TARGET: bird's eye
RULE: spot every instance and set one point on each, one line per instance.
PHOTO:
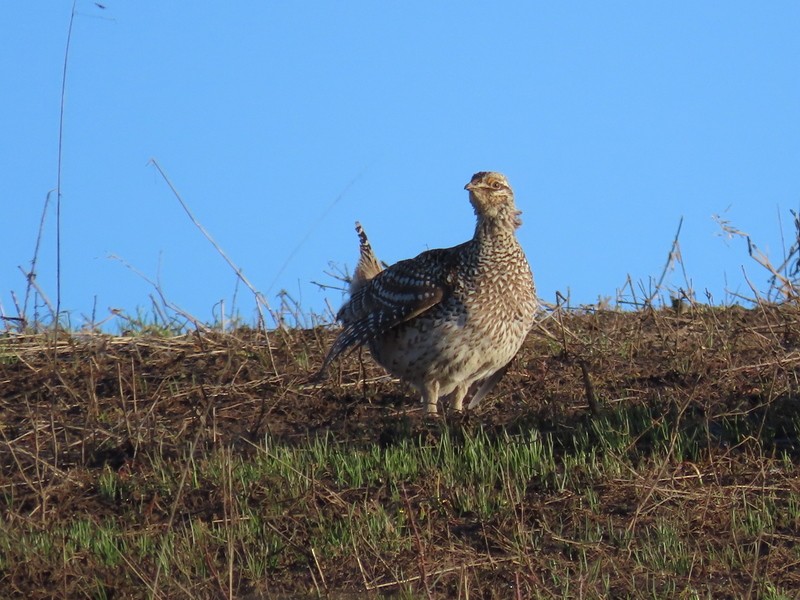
(496, 185)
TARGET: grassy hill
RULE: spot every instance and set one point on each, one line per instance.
(650, 454)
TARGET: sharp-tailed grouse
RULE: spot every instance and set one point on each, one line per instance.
(449, 321)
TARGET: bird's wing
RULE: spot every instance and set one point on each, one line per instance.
(395, 295)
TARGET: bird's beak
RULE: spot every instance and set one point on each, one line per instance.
(470, 186)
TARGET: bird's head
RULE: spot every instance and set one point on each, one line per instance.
(492, 197)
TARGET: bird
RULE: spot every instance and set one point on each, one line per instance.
(449, 321)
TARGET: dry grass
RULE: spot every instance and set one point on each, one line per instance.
(203, 465)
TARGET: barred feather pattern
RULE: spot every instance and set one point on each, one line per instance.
(450, 320)
(368, 266)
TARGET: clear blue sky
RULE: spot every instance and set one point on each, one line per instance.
(611, 120)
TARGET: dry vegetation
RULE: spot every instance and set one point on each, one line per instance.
(204, 466)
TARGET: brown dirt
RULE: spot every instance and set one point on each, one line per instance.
(727, 376)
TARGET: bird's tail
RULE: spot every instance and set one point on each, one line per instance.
(368, 265)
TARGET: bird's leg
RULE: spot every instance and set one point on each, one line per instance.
(457, 397)
(430, 396)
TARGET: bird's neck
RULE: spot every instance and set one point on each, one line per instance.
(502, 222)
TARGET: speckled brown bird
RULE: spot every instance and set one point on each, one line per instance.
(450, 320)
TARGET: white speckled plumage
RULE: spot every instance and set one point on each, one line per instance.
(450, 320)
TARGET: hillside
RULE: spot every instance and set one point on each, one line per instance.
(625, 454)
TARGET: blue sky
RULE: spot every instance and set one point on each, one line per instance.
(280, 123)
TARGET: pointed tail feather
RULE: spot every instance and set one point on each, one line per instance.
(368, 265)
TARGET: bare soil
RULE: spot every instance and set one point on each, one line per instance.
(725, 378)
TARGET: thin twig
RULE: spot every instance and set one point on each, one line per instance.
(239, 273)
(157, 286)
(58, 177)
(31, 275)
(32, 283)
(423, 572)
(591, 396)
(319, 569)
(314, 226)
(202, 229)
(673, 253)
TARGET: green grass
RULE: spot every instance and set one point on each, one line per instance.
(204, 466)
(347, 501)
